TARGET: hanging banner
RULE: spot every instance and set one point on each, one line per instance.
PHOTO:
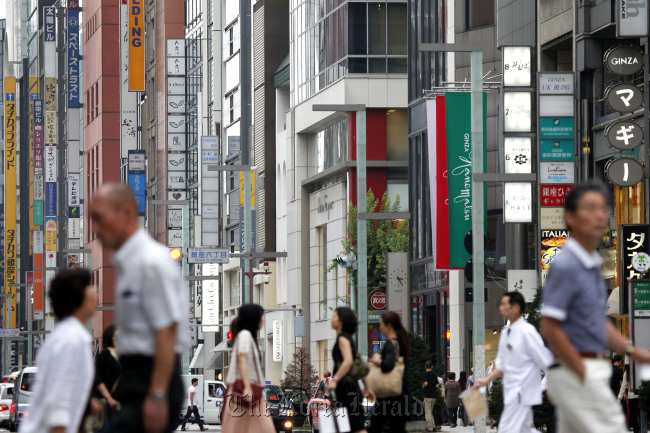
(433, 181)
(136, 46)
(73, 59)
(51, 228)
(50, 198)
(442, 187)
(632, 18)
(128, 100)
(459, 166)
(10, 201)
(136, 173)
(49, 25)
(73, 190)
(633, 239)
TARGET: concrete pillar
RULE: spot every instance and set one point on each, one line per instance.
(456, 321)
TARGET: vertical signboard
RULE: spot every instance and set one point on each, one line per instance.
(632, 18)
(10, 201)
(128, 100)
(49, 24)
(73, 59)
(136, 45)
(210, 298)
(136, 173)
(633, 239)
(277, 340)
(38, 275)
(39, 162)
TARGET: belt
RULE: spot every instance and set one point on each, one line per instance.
(594, 355)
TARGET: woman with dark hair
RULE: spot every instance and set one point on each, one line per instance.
(391, 410)
(107, 373)
(346, 388)
(246, 366)
(462, 414)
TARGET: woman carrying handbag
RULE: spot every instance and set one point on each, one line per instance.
(387, 377)
(344, 384)
(244, 407)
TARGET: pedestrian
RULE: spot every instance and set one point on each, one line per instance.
(107, 375)
(391, 410)
(452, 398)
(326, 375)
(574, 321)
(192, 408)
(65, 363)
(239, 415)
(346, 388)
(152, 306)
(462, 382)
(429, 385)
(617, 374)
(521, 359)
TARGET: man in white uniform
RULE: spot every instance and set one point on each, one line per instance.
(65, 364)
(521, 359)
(152, 313)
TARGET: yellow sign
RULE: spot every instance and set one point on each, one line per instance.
(241, 188)
(50, 240)
(136, 46)
(10, 200)
(50, 94)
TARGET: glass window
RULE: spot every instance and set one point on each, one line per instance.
(321, 234)
(357, 65)
(480, 13)
(357, 28)
(377, 28)
(377, 66)
(396, 24)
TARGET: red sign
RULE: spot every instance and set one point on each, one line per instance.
(74, 4)
(554, 195)
(378, 299)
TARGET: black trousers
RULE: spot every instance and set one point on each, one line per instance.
(453, 415)
(133, 389)
(197, 417)
(393, 411)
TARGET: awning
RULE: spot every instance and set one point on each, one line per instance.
(222, 347)
(206, 360)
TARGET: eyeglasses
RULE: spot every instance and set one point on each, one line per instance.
(593, 208)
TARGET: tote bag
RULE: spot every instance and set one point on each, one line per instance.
(389, 384)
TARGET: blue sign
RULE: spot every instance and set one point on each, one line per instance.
(208, 255)
(38, 112)
(49, 24)
(50, 198)
(375, 335)
(137, 184)
(73, 59)
(375, 348)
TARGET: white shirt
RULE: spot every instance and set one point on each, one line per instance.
(522, 357)
(245, 345)
(191, 390)
(64, 379)
(151, 295)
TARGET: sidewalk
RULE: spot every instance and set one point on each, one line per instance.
(419, 426)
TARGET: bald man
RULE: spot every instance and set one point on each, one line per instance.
(152, 308)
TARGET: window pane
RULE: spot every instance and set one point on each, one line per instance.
(357, 28)
(397, 29)
(357, 65)
(378, 66)
(377, 28)
(397, 66)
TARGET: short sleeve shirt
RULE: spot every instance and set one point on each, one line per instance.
(245, 345)
(190, 391)
(432, 380)
(575, 294)
(151, 295)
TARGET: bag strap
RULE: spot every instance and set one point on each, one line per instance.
(254, 355)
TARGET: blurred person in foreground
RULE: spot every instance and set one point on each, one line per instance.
(574, 321)
(245, 366)
(152, 308)
(65, 362)
(521, 359)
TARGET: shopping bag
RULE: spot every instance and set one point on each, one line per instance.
(474, 403)
(333, 421)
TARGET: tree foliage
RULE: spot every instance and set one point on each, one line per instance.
(383, 237)
(300, 372)
(419, 354)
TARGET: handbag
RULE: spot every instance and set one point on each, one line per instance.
(332, 419)
(387, 384)
(359, 369)
(236, 390)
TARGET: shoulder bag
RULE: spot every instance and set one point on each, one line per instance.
(388, 384)
(358, 370)
(237, 389)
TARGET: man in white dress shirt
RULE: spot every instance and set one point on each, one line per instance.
(521, 359)
(152, 313)
(66, 370)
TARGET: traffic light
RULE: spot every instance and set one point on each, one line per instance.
(345, 261)
(175, 253)
(448, 335)
(229, 337)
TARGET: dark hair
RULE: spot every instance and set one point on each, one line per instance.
(348, 319)
(574, 196)
(194, 380)
(429, 364)
(249, 319)
(617, 358)
(462, 380)
(108, 337)
(451, 375)
(516, 298)
(392, 318)
(68, 290)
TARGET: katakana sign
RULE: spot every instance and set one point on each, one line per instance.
(633, 239)
(624, 135)
(624, 97)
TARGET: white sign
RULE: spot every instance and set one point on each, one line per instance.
(176, 162)
(555, 84)
(9, 333)
(74, 228)
(517, 69)
(277, 340)
(39, 188)
(517, 110)
(176, 142)
(176, 86)
(552, 218)
(518, 202)
(73, 190)
(556, 172)
(556, 105)
(208, 255)
(176, 123)
(632, 18)
(175, 66)
(524, 281)
(210, 156)
(175, 238)
(175, 218)
(518, 154)
(50, 164)
(210, 142)
(210, 295)
(176, 180)
(175, 47)
(176, 104)
(37, 238)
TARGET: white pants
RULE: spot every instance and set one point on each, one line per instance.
(516, 418)
(589, 406)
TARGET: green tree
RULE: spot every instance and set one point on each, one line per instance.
(419, 354)
(384, 236)
(495, 401)
(300, 372)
